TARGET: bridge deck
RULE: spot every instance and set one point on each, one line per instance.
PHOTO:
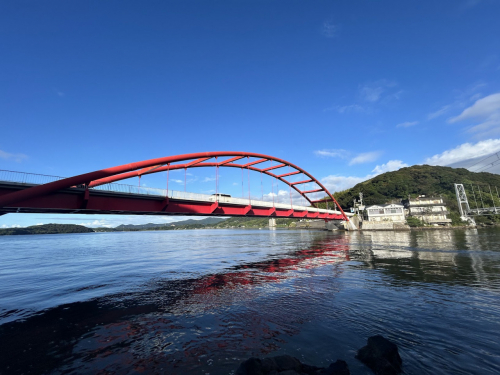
(128, 199)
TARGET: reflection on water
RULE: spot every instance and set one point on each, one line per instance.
(203, 301)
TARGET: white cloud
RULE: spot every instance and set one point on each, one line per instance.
(11, 226)
(372, 92)
(439, 112)
(365, 157)
(391, 165)
(347, 108)
(16, 157)
(481, 108)
(487, 111)
(406, 124)
(463, 98)
(338, 183)
(464, 152)
(332, 153)
(97, 224)
(208, 179)
(329, 29)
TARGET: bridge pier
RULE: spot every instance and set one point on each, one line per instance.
(272, 222)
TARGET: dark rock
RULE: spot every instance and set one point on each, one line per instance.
(252, 366)
(287, 362)
(337, 368)
(310, 370)
(269, 365)
(289, 372)
(288, 365)
(381, 356)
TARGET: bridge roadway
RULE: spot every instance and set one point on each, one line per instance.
(124, 199)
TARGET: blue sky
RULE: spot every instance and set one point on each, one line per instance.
(346, 90)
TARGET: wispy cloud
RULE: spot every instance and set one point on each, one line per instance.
(16, 157)
(372, 92)
(464, 152)
(347, 108)
(365, 157)
(487, 111)
(439, 112)
(463, 98)
(407, 124)
(338, 183)
(329, 29)
(208, 179)
(332, 153)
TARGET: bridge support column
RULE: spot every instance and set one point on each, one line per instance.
(330, 225)
(272, 222)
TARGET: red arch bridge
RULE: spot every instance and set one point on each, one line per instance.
(99, 193)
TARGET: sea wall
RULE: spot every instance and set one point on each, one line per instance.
(383, 225)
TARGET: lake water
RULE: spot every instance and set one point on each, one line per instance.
(202, 301)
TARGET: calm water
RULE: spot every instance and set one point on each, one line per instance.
(200, 302)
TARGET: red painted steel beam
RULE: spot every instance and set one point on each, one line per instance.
(230, 160)
(255, 162)
(121, 172)
(198, 161)
(289, 174)
(302, 182)
(323, 200)
(311, 191)
(148, 170)
(274, 167)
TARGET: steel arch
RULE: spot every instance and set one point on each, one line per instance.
(194, 160)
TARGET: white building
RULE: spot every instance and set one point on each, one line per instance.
(392, 212)
(430, 210)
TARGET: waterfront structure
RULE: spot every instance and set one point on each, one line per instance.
(393, 212)
(430, 210)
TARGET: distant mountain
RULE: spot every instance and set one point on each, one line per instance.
(206, 221)
(47, 229)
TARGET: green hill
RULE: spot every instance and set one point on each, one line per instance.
(47, 229)
(189, 222)
(427, 180)
(252, 222)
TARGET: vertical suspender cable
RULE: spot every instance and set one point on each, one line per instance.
(272, 185)
(168, 172)
(290, 185)
(185, 173)
(216, 180)
(248, 176)
(261, 185)
(242, 187)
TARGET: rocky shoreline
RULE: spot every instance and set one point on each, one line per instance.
(380, 355)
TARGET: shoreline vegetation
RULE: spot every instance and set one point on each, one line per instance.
(208, 223)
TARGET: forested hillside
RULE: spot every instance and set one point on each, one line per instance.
(428, 180)
(47, 229)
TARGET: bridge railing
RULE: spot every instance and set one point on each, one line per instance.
(175, 194)
(37, 179)
(27, 178)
